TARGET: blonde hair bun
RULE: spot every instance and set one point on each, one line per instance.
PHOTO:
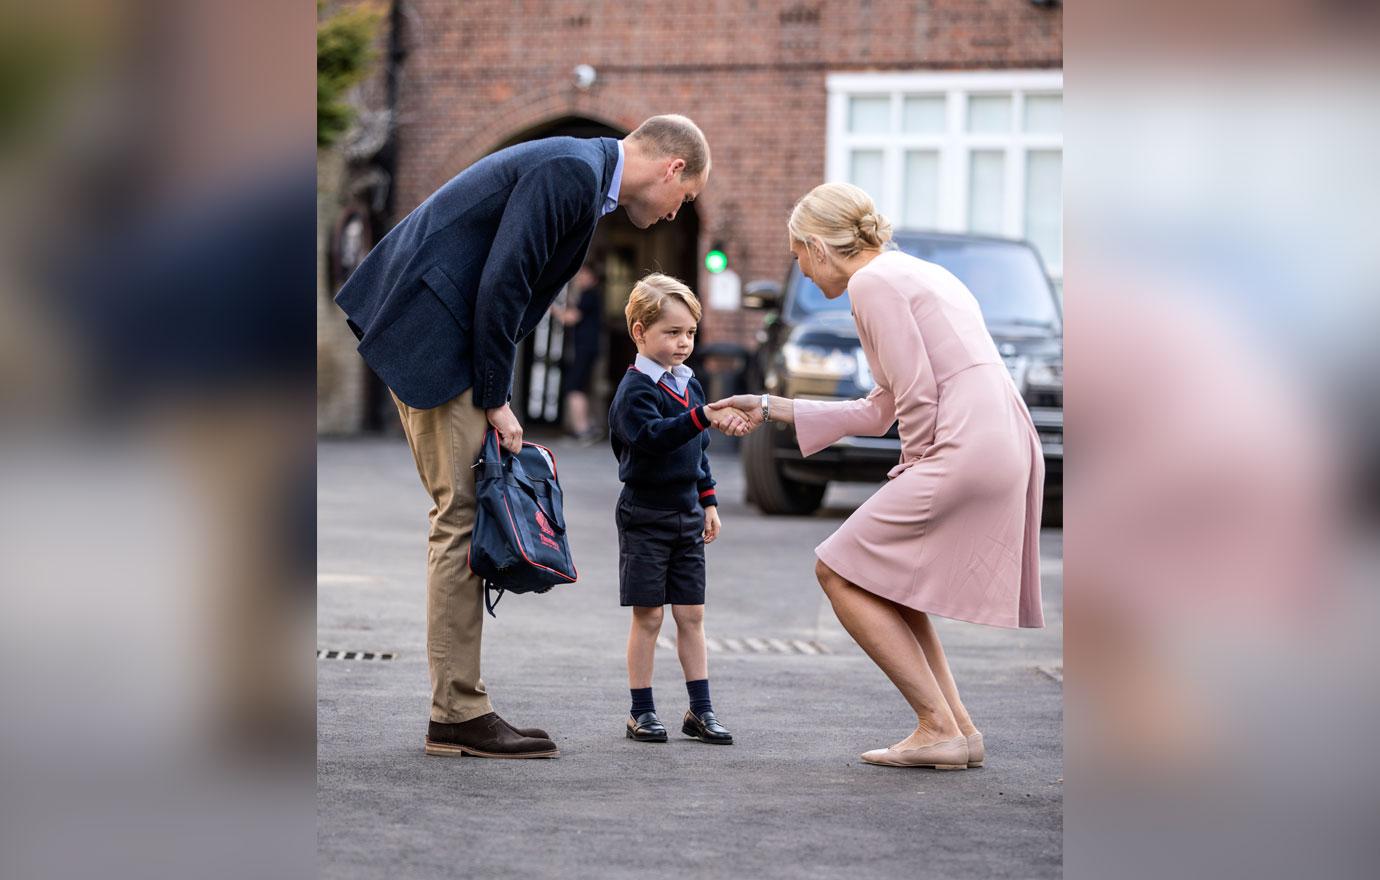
(841, 215)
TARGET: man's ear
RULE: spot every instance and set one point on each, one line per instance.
(674, 169)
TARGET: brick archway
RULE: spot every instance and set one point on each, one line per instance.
(534, 110)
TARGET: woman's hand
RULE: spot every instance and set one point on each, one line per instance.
(730, 421)
(711, 523)
(748, 406)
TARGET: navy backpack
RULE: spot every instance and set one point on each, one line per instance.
(519, 543)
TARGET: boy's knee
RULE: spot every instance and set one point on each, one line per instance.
(688, 615)
(648, 618)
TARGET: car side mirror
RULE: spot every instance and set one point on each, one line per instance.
(762, 294)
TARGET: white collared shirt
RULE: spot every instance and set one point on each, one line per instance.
(611, 200)
(680, 374)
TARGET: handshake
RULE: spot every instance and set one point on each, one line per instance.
(736, 416)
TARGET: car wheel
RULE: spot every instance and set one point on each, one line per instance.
(767, 488)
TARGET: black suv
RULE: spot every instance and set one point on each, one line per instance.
(809, 348)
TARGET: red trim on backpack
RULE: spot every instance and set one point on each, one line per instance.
(517, 537)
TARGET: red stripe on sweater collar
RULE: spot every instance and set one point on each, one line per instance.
(683, 401)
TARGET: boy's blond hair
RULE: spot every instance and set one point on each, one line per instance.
(649, 297)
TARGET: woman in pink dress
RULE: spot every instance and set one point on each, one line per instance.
(955, 530)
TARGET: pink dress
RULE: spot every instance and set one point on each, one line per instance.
(955, 530)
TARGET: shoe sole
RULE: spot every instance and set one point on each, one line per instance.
(919, 766)
(644, 739)
(448, 750)
(690, 732)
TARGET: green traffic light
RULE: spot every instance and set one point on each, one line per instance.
(716, 261)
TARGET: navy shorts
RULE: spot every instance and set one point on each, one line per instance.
(660, 556)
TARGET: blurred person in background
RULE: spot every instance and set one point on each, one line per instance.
(440, 306)
(956, 530)
(585, 323)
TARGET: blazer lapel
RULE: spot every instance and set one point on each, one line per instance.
(609, 147)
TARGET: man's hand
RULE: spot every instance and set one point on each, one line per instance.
(711, 523)
(747, 407)
(729, 421)
(509, 430)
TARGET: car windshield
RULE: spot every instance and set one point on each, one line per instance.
(1006, 278)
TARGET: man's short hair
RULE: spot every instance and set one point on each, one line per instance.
(677, 137)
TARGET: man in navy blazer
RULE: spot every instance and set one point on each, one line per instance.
(440, 306)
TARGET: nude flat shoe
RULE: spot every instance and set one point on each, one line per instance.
(975, 750)
(951, 754)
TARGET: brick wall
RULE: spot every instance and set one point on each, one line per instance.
(751, 74)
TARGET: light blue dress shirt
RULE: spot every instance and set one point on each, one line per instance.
(679, 374)
(611, 200)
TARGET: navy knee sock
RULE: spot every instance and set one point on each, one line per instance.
(699, 696)
(642, 701)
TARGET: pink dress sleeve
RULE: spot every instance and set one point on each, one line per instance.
(896, 354)
(819, 423)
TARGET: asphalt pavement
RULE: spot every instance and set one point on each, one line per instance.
(789, 799)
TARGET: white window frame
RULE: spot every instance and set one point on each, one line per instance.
(953, 146)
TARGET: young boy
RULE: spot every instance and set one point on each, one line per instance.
(667, 511)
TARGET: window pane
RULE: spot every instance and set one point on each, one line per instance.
(923, 114)
(869, 115)
(986, 191)
(1044, 205)
(989, 114)
(865, 170)
(1044, 114)
(921, 207)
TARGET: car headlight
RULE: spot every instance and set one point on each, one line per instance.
(864, 377)
(816, 362)
(1045, 375)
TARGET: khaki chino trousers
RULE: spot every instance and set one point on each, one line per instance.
(445, 441)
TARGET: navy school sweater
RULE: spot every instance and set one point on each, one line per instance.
(661, 440)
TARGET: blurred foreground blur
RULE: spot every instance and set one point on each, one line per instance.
(1221, 563)
(157, 482)
(157, 529)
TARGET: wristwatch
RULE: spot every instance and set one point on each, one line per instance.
(766, 408)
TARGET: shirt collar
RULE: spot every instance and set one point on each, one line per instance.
(680, 373)
(611, 200)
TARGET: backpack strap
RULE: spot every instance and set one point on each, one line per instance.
(490, 603)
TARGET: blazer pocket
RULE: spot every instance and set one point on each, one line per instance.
(440, 284)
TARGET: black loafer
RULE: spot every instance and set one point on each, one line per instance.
(706, 728)
(647, 728)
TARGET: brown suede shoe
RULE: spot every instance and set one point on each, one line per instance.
(532, 732)
(487, 736)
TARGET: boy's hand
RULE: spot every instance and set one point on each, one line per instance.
(711, 523)
(747, 407)
(729, 421)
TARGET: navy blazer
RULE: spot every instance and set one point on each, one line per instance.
(441, 303)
